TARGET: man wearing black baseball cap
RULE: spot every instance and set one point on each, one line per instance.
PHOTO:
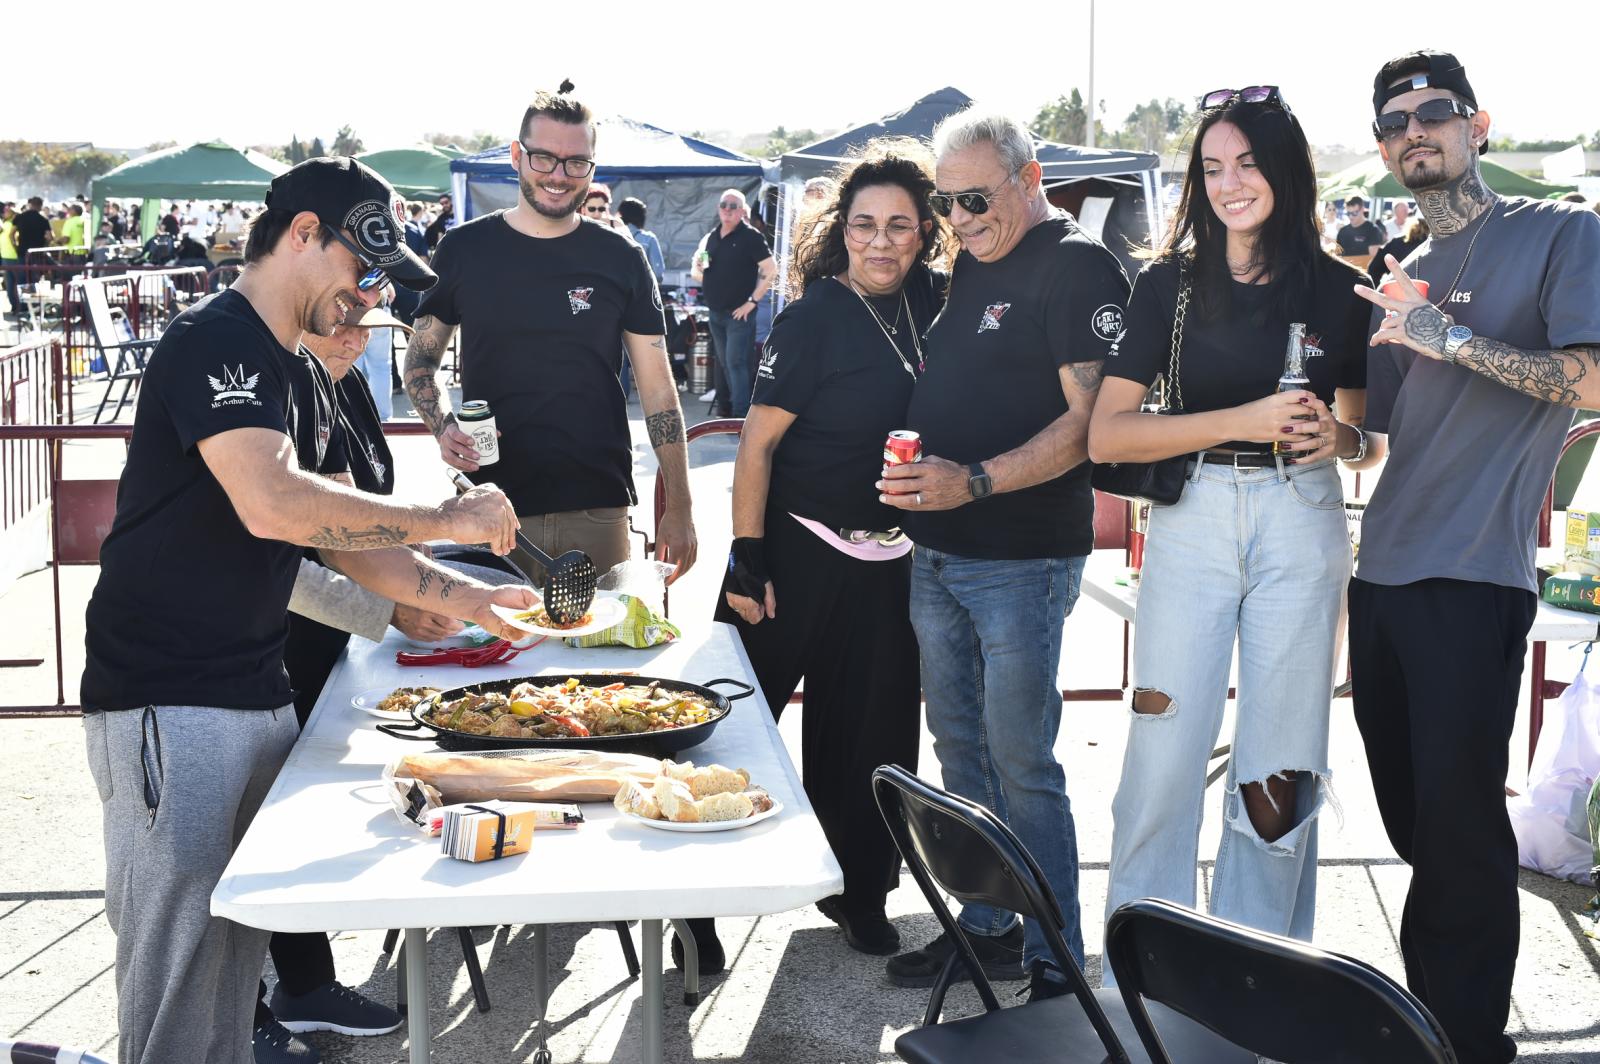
(187, 706)
(1475, 384)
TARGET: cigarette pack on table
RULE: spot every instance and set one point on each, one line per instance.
(490, 830)
(545, 814)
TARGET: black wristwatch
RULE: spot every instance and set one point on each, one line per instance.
(979, 483)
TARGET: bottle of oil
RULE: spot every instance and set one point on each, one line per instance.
(1294, 376)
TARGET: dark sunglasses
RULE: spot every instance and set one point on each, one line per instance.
(1248, 94)
(542, 162)
(595, 208)
(375, 277)
(1430, 113)
(731, 205)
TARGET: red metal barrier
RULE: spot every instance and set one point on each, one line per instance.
(29, 395)
(48, 437)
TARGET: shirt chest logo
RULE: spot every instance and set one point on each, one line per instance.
(234, 388)
(769, 359)
(1107, 322)
(1461, 297)
(578, 299)
(992, 315)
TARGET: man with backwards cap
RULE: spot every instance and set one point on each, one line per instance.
(188, 711)
(1475, 385)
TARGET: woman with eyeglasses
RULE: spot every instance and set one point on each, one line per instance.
(597, 205)
(1255, 553)
(819, 579)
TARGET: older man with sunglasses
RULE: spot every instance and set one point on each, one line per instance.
(547, 305)
(1475, 384)
(736, 272)
(1001, 510)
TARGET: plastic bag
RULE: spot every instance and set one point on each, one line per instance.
(1551, 820)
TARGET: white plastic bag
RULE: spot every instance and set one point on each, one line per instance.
(1551, 819)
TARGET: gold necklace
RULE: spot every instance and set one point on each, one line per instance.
(883, 327)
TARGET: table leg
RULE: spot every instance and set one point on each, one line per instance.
(541, 988)
(1535, 698)
(416, 976)
(650, 986)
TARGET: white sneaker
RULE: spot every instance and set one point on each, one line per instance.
(709, 397)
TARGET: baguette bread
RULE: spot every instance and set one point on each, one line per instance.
(675, 800)
(724, 806)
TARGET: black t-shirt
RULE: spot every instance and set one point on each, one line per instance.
(1238, 356)
(371, 463)
(541, 339)
(190, 608)
(828, 362)
(993, 383)
(32, 231)
(1356, 239)
(730, 279)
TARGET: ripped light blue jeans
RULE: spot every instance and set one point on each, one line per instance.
(1259, 557)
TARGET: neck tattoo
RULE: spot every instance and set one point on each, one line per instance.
(1451, 207)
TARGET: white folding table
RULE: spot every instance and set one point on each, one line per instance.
(326, 852)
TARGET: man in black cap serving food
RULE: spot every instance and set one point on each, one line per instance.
(1474, 380)
(188, 709)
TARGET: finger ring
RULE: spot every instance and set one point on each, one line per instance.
(919, 498)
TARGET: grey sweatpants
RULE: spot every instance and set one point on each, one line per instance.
(179, 786)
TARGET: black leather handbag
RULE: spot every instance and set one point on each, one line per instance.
(1159, 483)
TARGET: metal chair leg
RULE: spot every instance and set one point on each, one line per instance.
(691, 962)
(389, 939)
(469, 953)
(628, 954)
(400, 990)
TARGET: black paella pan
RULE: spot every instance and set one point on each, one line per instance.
(664, 741)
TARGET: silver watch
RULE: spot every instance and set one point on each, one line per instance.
(1454, 338)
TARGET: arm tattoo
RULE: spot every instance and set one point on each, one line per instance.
(659, 342)
(423, 356)
(426, 576)
(358, 539)
(1549, 375)
(1087, 375)
(665, 427)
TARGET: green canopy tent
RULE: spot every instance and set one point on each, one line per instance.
(419, 172)
(1372, 180)
(206, 171)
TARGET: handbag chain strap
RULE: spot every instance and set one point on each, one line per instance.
(1172, 381)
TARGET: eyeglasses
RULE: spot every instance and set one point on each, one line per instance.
(900, 233)
(542, 162)
(375, 277)
(971, 202)
(1267, 94)
(731, 205)
(595, 208)
(1430, 113)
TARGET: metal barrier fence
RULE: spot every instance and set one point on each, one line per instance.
(48, 438)
(30, 394)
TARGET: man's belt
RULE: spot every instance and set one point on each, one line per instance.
(888, 539)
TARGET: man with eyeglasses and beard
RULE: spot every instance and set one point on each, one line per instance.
(1002, 514)
(1475, 385)
(546, 306)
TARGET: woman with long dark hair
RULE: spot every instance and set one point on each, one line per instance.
(1255, 553)
(819, 579)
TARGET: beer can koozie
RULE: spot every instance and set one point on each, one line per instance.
(477, 421)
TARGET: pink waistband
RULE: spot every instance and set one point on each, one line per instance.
(869, 550)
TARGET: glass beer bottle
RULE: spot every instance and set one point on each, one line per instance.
(1294, 378)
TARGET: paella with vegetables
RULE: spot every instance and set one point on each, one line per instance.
(570, 708)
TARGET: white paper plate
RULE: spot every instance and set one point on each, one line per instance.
(367, 702)
(719, 825)
(607, 610)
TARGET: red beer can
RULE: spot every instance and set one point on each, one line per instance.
(902, 446)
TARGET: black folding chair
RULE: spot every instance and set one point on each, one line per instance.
(959, 847)
(124, 355)
(1277, 997)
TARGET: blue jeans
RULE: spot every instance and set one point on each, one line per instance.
(990, 633)
(375, 362)
(735, 341)
(1258, 559)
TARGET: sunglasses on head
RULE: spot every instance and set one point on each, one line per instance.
(375, 277)
(1430, 113)
(1249, 94)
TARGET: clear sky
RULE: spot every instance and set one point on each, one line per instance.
(254, 73)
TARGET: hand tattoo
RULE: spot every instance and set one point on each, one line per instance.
(665, 427)
(358, 539)
(1427, 325)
